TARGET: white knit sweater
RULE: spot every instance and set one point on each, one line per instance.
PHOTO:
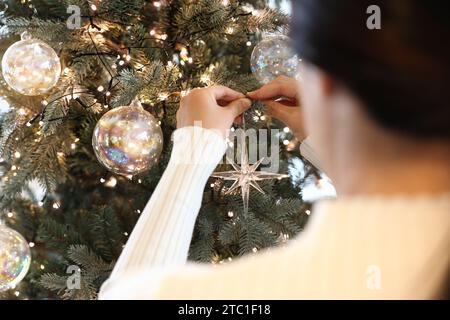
(363, 248)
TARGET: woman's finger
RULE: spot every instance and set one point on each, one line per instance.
(237, 107)
(225, 94)
(278, 110)
(282, 86)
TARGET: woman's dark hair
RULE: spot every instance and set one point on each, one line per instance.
(400, 72)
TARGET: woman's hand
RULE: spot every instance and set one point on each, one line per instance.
(282, 99)
(212, 108)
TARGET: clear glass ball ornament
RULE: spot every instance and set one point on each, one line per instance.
(30, 66)
(272, 57)
(128, 140)
(15, 257)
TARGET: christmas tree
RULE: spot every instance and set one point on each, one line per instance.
(112, 52)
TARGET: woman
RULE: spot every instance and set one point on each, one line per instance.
(375, 106)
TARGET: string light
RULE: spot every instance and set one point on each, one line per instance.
(286, 142)
(44, 102)
(157, 4)
(31, 244)
(163, 96)
(286, 130)
(111, 183)
(17, 154)
(205, 79)
(152, 32)
(73, 146)
(230, 30)
(56, 205)
(10, 214)
(308, 212)
(249, 43)
(230, 214)
(93, 7)
(100, 88)
(102, 180)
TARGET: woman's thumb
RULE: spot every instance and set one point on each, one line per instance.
(278, 110)
(239, 106)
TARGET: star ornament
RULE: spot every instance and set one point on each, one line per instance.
(246, 175)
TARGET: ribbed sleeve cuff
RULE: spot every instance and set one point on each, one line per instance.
(197, 146)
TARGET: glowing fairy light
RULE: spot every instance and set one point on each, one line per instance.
(163, 96)
(111, 183)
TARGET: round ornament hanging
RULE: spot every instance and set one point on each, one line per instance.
(15, 257)
(128, 140)
(30, 66)
(272, 57)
